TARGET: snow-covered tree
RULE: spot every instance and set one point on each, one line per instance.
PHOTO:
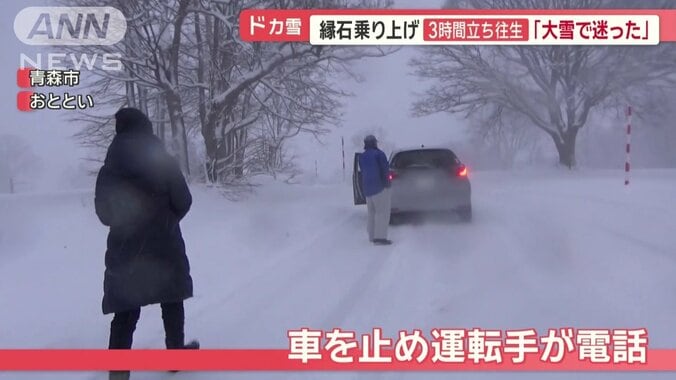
(555, 87)
(151, 54)
(240, 72)
(185, 63)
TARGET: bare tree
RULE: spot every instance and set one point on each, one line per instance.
(503, 135)
(185, 63)
(238, 69)
(297, 100)
(152, 72)
(555, 87)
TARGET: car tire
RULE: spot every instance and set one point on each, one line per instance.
(465, 213)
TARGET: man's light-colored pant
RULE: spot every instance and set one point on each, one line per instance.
(379, 214)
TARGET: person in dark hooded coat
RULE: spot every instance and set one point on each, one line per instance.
(142, 196)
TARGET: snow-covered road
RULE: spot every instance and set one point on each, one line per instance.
(545, 250)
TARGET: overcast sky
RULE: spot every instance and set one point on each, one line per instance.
(382, 100)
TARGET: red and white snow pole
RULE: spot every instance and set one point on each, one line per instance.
(627, 165)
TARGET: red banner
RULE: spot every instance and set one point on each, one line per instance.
(294, 24)
(278, 360)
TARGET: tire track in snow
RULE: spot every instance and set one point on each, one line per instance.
(399, 294)
(322, 254)
(284, 297)
(357, 291)
(501, 272)
(401, 274)
(349, 310)
(286, 254)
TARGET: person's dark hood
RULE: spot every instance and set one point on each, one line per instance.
(132, 120)
(370, 142)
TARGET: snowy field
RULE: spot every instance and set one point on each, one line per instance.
(545, 250)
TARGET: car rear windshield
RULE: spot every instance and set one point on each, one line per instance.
(424, 158)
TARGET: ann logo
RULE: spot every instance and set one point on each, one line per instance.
(43, 26)
(70, 25)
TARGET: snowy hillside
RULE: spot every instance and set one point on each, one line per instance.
(545, 250)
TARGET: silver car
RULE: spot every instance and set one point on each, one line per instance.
(424, 180)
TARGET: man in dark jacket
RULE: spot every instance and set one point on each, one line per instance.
(142, 196)
(375, 184)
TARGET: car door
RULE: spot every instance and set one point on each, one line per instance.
(357, 191)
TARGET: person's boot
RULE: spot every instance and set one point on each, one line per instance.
(193, 345)
(119, 375)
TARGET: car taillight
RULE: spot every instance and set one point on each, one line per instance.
(461, 171)
(391, 175)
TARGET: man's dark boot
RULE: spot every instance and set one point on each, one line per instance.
(193, 345)
(119, 375)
